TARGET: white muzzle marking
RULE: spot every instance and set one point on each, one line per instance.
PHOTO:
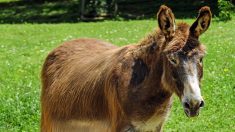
(192, 92)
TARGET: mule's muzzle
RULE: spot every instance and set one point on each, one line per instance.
(192, 109)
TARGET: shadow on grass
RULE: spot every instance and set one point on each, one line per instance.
(31, 12)
(68, 11)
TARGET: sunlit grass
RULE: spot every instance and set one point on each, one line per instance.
(8, 1)
(24, 47)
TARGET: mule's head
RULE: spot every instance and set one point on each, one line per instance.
(182, 55)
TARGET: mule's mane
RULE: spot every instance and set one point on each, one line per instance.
(181, 41)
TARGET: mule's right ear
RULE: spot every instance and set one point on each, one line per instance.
(166, 21)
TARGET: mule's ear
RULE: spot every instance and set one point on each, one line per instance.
(166, 21)
(202, 23)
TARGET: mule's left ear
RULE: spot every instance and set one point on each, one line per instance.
(166, 21)
(202, 23)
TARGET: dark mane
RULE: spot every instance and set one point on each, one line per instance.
(182, 41)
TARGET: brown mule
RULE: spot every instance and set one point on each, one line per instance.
(92, 85)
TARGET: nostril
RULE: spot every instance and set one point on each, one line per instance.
(202, 104)
(186, 105)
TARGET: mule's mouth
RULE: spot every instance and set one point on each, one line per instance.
(191, 112)
(192, 108)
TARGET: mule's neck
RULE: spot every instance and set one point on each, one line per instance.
(151, 50)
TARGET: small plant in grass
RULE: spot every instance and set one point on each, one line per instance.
(225, 10)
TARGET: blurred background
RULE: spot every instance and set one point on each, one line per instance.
(55, 11)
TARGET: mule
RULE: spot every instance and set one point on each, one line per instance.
(92, 85)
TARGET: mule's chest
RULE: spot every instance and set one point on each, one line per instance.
(154, 124)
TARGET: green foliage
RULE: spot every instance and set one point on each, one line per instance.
(225, 10)
(23, 48)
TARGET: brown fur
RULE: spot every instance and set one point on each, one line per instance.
(89, 80)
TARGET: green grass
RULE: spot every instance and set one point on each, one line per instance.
(23, 48)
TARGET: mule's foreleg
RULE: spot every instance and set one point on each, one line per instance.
(128, 128)
(159, 127)
(46, 122)
(118, 120)
(121, 124)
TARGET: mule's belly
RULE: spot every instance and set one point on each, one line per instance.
(81, 126)
(153, 125)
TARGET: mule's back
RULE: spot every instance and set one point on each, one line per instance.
(80, 48)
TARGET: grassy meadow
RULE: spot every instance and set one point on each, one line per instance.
(23, 48)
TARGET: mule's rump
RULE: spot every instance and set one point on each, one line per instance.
(70, 73)
(67, 70)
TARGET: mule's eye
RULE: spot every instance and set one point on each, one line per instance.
(173, 61)
(172, 58)
(200, 60)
